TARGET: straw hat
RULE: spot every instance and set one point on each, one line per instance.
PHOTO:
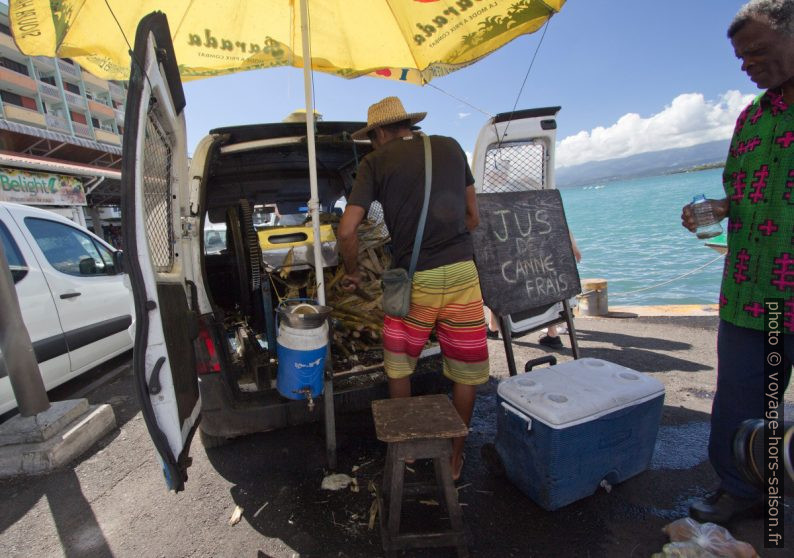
(387, 111)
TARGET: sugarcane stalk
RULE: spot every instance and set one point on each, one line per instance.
(343, 350)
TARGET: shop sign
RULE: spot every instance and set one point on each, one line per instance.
(35, 188)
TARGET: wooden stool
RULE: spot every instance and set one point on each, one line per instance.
(419, 428)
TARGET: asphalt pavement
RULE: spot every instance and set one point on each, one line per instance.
(113, 501)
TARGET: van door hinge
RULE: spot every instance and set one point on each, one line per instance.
(193, 206)
(188, 226)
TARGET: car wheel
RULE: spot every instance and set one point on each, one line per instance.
(209, 441)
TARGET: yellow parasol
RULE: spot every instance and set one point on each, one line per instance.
(404, 40)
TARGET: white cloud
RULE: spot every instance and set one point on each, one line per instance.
(462, 115)
(688, 120)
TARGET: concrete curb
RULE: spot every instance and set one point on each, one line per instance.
(43, 426)
(664, 310)
(61, 447)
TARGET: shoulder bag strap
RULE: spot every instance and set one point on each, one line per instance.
(420, 229)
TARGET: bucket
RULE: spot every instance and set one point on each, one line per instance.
(302, 313)
(301, 350)
(594, 300)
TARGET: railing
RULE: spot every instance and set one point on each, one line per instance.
(57, 123)
(107, 136)
(82, 130)
(94, 82)
(45, 62)
(74, 99)
(50, 90)
(116, 91)
(67, 68)
(21, 114)
(7, 41)
(16, 80)
(16, 71)
(101, 110)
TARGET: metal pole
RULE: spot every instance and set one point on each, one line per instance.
(314, 200)
(314, 207)
(571, 330)
(507, 338)
(17, 350)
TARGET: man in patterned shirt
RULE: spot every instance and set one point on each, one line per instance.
(759, 203)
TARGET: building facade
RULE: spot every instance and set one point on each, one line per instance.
(59, 126)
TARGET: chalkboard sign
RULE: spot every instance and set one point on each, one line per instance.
(523, 251)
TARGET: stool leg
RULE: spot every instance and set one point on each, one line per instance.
(442, 495)
(387, 470)
(453, 507)
(395, 481)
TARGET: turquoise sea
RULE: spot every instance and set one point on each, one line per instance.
(630, 233)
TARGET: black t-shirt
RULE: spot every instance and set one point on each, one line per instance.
(394, 175)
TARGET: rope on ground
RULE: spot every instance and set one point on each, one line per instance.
(673, 279)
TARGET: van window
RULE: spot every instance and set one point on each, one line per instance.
(14, 257)
(69, 250)
(515, 167)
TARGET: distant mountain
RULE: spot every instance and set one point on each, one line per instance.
(643, 164)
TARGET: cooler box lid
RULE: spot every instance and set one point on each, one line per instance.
(578, 391)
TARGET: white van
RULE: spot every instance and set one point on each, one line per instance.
(75, 301)
(515, 152)
(204, 317)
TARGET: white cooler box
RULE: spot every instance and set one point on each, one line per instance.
(561, 430)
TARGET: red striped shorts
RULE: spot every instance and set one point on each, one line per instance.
(449, 299)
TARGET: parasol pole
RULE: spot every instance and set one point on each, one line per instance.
(314, 200)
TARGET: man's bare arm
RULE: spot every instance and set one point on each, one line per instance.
(472, 212)
(347, 234)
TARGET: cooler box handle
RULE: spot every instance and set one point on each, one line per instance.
(551, 360)
(519, 414)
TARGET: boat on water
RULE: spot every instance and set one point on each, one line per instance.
(718, 243)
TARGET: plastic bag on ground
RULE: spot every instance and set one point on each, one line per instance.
(690, 539)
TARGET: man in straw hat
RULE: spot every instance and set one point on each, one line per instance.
(446, 290)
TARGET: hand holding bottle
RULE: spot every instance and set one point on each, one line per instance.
(703, 216)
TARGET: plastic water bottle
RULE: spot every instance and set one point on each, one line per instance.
(707, 224)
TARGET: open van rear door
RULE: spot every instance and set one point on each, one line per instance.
(515, 152)
(157, 228)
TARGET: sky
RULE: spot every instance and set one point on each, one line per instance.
(630, 75)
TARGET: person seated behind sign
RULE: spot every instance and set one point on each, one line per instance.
(551, 339)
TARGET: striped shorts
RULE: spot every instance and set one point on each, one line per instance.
(449, 299)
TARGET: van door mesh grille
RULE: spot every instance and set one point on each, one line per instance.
(157, 198)
(515, 167)
(375, 214)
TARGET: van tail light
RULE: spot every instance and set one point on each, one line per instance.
(207, 361)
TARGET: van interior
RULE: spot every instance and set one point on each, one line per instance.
(257, 181)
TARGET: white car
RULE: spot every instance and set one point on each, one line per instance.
(75, 302)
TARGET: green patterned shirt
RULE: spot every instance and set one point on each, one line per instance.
(758, 182)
